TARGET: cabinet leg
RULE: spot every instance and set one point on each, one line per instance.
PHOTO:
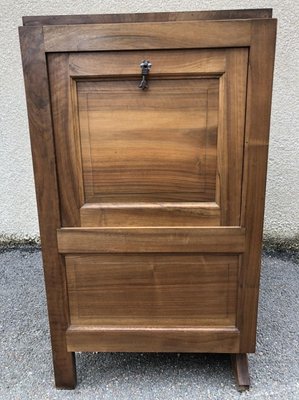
(65, 370)
(240, 367)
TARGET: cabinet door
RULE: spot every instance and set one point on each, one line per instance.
(150, 187)
(170, 155)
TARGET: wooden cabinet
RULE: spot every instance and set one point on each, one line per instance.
(150, 199)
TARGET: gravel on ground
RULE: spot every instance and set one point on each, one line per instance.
(25, 354)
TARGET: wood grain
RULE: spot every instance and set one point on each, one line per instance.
(152, 289)
(150, 240)
(132, 339)
(138, 36)
(146, 17)
(149, 214)
(44, 164)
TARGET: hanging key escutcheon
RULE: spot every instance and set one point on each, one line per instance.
(145, 69)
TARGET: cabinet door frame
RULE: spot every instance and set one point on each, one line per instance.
(36, 41)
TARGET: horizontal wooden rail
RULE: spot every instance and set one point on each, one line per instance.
(143, 240)
(91, 338)
(150, 35)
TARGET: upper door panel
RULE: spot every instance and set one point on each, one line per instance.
(170, 155)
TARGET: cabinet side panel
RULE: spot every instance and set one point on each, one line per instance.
(39, 114)
(260, 76)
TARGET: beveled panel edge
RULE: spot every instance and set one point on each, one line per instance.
(149, 214)
(152, 205)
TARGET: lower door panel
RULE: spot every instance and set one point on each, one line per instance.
(152, 290)
(153, 302)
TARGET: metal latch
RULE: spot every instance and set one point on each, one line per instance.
(145, 69)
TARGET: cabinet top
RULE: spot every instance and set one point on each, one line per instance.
(146, 17)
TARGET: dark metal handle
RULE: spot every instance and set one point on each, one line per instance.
(145, 69)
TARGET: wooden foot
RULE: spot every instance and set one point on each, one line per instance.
(65, 371)
(240, 367)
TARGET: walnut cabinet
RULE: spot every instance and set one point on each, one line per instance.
(149, 138)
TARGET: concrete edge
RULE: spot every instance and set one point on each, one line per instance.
(11, 242)
(281, 243)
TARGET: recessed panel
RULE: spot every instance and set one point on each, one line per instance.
(157, 144)
(152, 289)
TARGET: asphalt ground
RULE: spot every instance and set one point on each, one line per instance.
(25, 355)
